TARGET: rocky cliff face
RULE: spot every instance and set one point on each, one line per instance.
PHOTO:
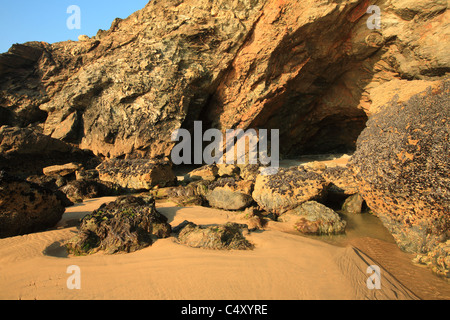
(312, 69)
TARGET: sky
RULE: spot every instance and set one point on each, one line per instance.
(46, 20)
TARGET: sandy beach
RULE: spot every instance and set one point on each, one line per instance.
(282, 266)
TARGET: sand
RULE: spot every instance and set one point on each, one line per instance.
(282, 266)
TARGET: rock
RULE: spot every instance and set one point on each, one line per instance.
(315, 166)
(230, 194)
(154, 70)
(438, 259)
(49, 182)
(78, 190)
(53, 183)
(137, 174)
(208, 172)
(402, 168)
(251, 64)
(220, 237)
(249, 171)
(342, 179)
(408, 9)
(62, 170)
(83, 37)
(67, 129)
(353, 204)
(82, 174)
(254, 221)
(26, 207)
(228, 170)
(288, 189)
(192, 194)
(314, 218)
(125, 225)
(228, 199)
(25, 152)
(24, 141)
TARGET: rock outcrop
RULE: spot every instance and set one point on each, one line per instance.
(137, 174)
(24, 152)
(26, 207)
(232, 64)
(125, 225)
(402, 168)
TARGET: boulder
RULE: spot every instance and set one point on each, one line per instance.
(314, 218)
(403, 171)
(219, 237)
(353, 204)
(83, 174)
(53, 183)
(208, 172)
(125, 225)
(228, 199)
(230, 194)
(249, 171)
(137, 174)
(26, 207)
(228, 170)
(184, 195)
(287, 189)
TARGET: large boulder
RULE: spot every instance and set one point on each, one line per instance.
(314, 218)
(137, 174)
(125, 225)
(26, 207)
(402, 166)
(287, 189)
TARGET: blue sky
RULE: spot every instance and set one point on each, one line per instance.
(46, 20)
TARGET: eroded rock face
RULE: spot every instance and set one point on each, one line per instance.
(309, 68)
(230, 194)
(26, 207)
(24, 151)
(137, 174)
(125, 225)
(127, 89)
(402, 168)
